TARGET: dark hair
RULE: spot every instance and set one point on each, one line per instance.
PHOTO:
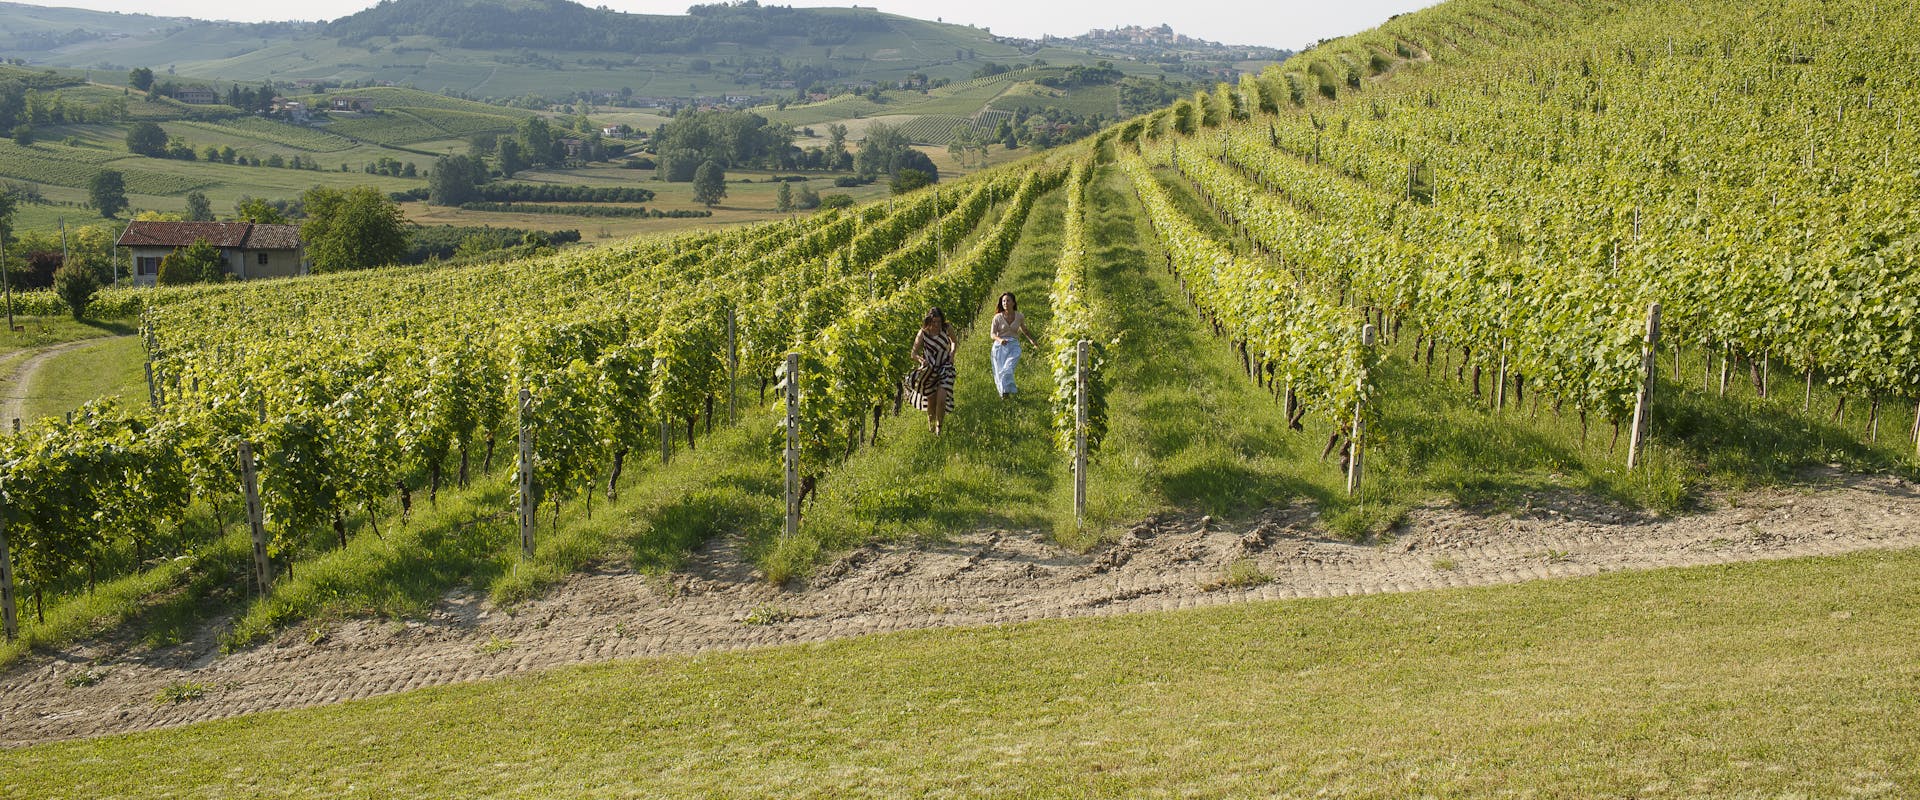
(933, 314)
(1005, 297)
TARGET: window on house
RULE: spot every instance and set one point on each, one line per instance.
(263, 259)
(146, 265)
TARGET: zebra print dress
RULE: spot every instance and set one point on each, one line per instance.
(937, 373)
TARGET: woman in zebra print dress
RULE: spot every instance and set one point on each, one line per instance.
(930, 385)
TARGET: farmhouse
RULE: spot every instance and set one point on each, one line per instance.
(361, 105)
(196, 96)
(250, 249)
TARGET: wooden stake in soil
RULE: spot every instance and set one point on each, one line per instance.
(250, 489)
(7, 609)
(153, 399)
(1500, 401)
(1354, 440)
(1642, 405)
(1915, 434)
(793, 444)
(733, 368)
(528, 506)
(1079, 431)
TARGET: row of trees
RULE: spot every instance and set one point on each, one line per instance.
(150, 140)
(22, 105)
(241, 97)
(536, 144)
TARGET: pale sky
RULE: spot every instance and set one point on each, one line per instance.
(1291, 24)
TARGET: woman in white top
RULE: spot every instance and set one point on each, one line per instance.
(1009, 327)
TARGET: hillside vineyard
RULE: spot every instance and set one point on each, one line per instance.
(1507, 185)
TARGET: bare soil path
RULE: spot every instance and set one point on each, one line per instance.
(984, 578)
(18, 368)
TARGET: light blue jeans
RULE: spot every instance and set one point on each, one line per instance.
(1006, 356)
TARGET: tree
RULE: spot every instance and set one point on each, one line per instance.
(512, 158)
(836, 138)
(352, 229)
(23, 134)
(784, 199)
(455, 180)
(108, 192)
(258, 210)
(76, 285)
(482, 145)
(709, 184)
(147, 139)
(909, 179)
(884, 143)
(917, 161)
(198, 263)
(140, 78)
(537, 137)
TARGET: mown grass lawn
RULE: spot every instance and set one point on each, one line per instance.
(1789, 679)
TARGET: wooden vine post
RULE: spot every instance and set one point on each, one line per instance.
(153, 397)
(527, 505)
(256, 524)
(1356, 451)
(7, 608)
(793, 444)
(733, 368)
(1079, 431)
(1642, 404)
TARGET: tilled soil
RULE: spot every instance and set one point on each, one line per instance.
(983, 578)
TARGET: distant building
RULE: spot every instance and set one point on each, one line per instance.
(575, 148)
(196, 96)
(361, 105)
(249, 249)
(293, 110)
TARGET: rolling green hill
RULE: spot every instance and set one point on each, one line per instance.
(552, 48)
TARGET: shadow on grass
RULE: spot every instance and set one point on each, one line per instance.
(113, 327)
(1747, 439)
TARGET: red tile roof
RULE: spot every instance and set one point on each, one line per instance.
(273, 237)
(246, 235)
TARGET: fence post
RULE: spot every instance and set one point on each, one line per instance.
(793, 444)
(256, 525)
(153, 397)
(1642, 405)
(666, 440)
(6, 585)
(1359, 430)
(1079, 431)
(527, 507)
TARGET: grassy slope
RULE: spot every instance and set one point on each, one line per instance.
(112, 368)
(1793, 678)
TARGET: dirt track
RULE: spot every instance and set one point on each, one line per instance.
(17, 370)
(988, 577)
